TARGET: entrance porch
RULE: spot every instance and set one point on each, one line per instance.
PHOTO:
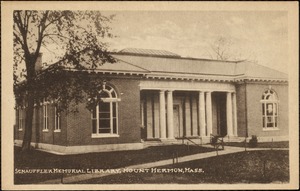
(176, 114)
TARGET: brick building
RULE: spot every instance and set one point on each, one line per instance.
(158, 95)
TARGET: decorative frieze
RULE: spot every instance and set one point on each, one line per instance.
(186, 86)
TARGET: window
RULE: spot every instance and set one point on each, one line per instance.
(21, 119)
(45, 117)
(56, 120)
(270, 109)
(105, 114)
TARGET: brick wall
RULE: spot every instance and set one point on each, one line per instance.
(79, 125)
(76, 128)
(241, 110)
(254, 109)
(38, 136)
(51, 137)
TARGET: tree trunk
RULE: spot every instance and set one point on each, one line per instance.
(28, 122)
(37, 129)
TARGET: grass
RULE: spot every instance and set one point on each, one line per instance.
(41, 160)
(244, 167)
(282, 144)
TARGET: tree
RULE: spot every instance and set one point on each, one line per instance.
(222, 49)
(78, 35)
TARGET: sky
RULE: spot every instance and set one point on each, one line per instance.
(261, 36)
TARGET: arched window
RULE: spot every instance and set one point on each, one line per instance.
(270, 109)
(105, 114)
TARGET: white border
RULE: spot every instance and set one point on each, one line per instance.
(8, 99)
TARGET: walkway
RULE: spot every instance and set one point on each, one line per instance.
(82, 177)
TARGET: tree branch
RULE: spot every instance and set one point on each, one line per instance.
(18, 39)
(52, 34)
(26, 19)
(40, 38)
(45, 46)
(53, 40)
(65, 37)
(23, 32)
(54, 20)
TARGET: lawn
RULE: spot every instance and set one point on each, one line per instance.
(244, 167)
(42, 160)
(281, 144)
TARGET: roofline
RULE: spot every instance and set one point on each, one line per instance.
(188, 76)
(199, 77)
(270, 68)
(145, 55)
(174, 57)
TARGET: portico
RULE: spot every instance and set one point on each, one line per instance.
(182, 109)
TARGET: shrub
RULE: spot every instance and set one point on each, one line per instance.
(253, 141)
(214, 140)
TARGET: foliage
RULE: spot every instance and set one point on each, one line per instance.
(76, 34)
(214, 140)
(66, 89)
(253, 141)
(76, 40)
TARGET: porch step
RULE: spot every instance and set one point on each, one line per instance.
(149, 143)
(172, 141)
(233, 139)
(191, 140)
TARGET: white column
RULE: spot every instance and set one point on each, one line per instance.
(229, 114)
(202, 114)
(162, 114)
(142, 113)
(234, 115)
(208, 113)
(170, 114)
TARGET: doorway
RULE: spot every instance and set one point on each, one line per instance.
(221, 121)
(176, 121)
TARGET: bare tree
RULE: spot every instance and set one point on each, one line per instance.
(79, 35)
(222, 49)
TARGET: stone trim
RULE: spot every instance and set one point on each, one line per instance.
(275, 138)
(59, 149)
